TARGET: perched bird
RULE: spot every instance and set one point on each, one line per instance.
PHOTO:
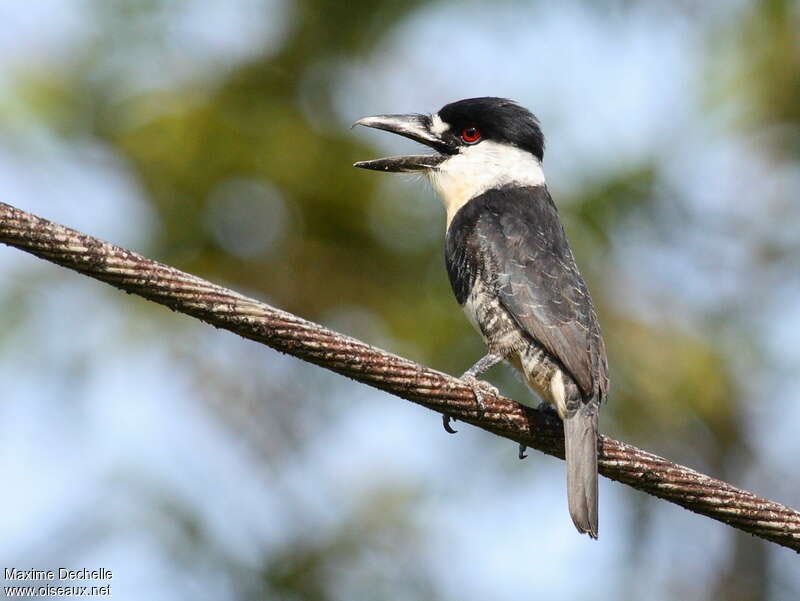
(511, 267)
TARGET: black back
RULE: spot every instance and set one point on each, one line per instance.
(513, 236)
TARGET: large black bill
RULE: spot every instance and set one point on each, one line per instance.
(415, 127)
(403, 164)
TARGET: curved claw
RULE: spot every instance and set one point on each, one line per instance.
(522, 454)
(446, 423)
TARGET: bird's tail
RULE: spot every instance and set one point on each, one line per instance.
(580, 446)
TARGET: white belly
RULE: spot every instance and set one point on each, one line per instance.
(503, 337)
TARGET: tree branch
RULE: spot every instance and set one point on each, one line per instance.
(440, 392)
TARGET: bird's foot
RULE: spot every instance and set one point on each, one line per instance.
(480, 388)
(446, 423)
(522, 449)
(546, 407)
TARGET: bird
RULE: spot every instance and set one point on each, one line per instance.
(511, 268)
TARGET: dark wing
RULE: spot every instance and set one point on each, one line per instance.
(538, 282)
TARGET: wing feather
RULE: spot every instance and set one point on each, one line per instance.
(538, 282)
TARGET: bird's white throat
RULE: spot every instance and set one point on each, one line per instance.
(482, 167)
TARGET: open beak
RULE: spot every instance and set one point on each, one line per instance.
(415, 127)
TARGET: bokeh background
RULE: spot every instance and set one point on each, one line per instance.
(215, 136)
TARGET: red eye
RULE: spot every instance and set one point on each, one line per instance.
(470, 135)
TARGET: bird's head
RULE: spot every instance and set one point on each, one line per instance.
(480, 144)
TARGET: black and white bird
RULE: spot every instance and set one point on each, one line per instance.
(511, 267)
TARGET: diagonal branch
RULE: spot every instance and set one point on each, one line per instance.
(311, 342)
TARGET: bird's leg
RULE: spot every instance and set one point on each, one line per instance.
(481, 365)
(479, 387)
(545, 407)
(471, 377)
(548, 408)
